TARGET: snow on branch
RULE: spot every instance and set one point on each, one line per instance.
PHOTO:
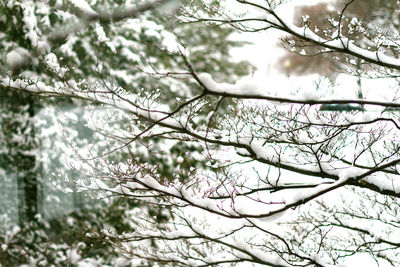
(247, 90)
(17, 59)
(270, 18)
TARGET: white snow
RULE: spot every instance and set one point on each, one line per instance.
(364, 259)
(98, 184)
(309, 94)
(351, 172)
(273, 217)
(169, 8)
(84, 7)
(17, 57)
(344, 43)
(242, 87)
(73, 255)
(101, 35)
(43, 47)
(32, 35)
(30, 25)
(121, 189)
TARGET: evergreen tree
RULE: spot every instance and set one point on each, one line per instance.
(42, 47)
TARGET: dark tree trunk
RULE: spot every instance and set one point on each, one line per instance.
(18, 156)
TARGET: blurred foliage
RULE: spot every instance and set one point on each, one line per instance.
(115, 56)
(361, 21)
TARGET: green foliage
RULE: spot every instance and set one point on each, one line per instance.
(49, 242)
